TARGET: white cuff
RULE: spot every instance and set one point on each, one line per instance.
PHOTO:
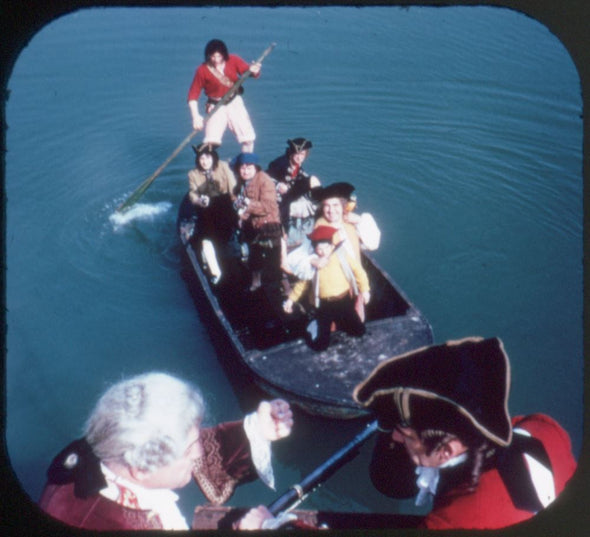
(259, 449)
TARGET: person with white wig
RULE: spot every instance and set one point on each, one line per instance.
(145, 438)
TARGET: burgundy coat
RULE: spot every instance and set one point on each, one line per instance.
(72, 493)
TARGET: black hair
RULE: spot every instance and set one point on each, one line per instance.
(209, 150)
(216, 45)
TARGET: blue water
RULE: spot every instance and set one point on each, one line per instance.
(460, 127)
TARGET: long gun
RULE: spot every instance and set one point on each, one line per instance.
(298, 492)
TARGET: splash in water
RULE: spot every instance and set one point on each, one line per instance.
(140, 211)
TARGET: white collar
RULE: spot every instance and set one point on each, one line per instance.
(429, 476)
(160, 501)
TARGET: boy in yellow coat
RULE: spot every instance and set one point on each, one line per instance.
(338, 279)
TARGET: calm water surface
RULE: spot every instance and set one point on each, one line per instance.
(460, 127)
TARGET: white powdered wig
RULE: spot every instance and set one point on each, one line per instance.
(143, 422)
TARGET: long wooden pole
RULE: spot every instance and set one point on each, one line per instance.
(139, 191)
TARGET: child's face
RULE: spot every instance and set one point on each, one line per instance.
(323, 248)
(247, 171)
(206, 161)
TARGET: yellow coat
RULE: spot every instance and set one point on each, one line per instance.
(332, 280)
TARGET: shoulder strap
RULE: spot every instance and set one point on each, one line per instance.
(347, 270)
(516, 475)
(221, 77)
(315, 281)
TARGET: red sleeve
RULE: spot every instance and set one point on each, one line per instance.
(240, 65)
(196, 85)
(226, 461)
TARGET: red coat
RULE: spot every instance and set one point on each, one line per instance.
(226, 463)
(205, 80)
(490, 506)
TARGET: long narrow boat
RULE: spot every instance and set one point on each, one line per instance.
(269, 345)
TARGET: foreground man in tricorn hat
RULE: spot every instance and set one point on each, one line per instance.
(447, 434)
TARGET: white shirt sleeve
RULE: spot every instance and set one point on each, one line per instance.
(368, 231)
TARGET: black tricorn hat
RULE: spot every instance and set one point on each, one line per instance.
(335, 190)
(205, 148)
(460, 387)
(295, 145)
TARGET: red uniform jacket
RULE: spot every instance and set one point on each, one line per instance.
(74, 498)
(490, 506)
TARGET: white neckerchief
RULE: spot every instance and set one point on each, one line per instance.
(541, 477)
(162, 502)
(429, 476)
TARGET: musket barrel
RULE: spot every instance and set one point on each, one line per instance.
(297, 492)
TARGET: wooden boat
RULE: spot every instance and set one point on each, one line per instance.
(219, 517)
(269, 345)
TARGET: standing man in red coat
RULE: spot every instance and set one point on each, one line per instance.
(448, 438)
(215, 76)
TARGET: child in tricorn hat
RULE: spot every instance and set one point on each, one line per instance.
(447, 436)
(333, 288)
(212, 184)
(295, 189)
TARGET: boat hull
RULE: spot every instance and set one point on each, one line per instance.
(252, 331)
